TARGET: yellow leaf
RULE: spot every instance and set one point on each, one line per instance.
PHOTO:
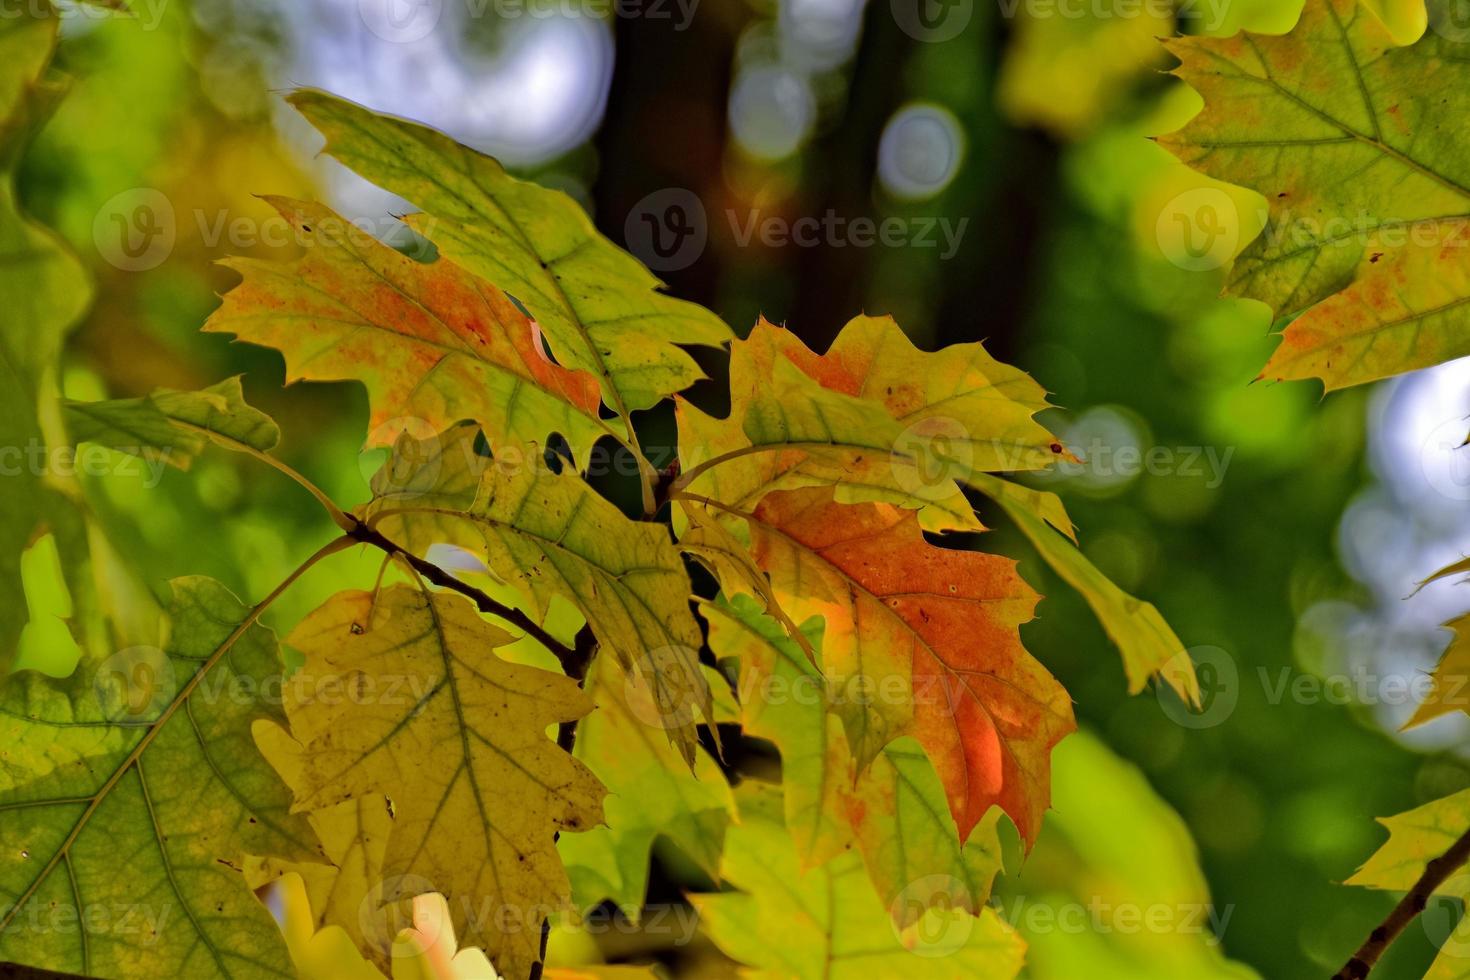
(1344, 132)
(412, 703)
(550, 534)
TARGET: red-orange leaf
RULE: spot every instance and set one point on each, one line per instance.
(921, 641)
(431, 341)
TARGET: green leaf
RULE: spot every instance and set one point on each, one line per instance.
(825, 923)
(175, 425)
(432, 343)
(1113, 850)
(146, 759)
(599, 308)
(550, 534)
(652, 793)
(43, 292)
(1344, 134)
(456, 738)
(1148, 645)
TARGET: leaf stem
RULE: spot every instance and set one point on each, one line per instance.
(1435, 874)
(709, 502)
(695, 472)
(333, 511)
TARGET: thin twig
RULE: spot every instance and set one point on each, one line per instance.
(566, 739)
(1435, 874)
(568, 656)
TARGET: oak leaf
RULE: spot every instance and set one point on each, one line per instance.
(147, 757)
(826, 923)
(600, 309)
(894, 812)
(550, 534)
(432, 343)
(1416, 838)
(920, 641)
(456, 738)
(175, 425)
(1343, 132)
(877, 419)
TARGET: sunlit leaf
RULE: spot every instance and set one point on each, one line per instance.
(874, 417)
(433, 343)
(176, 425)
(550, 534)
(651, 793)
(601, 311)
(894, 811)
(1416, 838)
(1149, 646)
(1368, 237)
(1113, 851)
(920, 641)
(354, 837)
(1450, 690)
(456, 738)
(825, 923)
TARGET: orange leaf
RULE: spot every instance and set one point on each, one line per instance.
(921, 641)
(432, 343)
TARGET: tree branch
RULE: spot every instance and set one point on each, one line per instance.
(573, 661)
(1435, 874)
